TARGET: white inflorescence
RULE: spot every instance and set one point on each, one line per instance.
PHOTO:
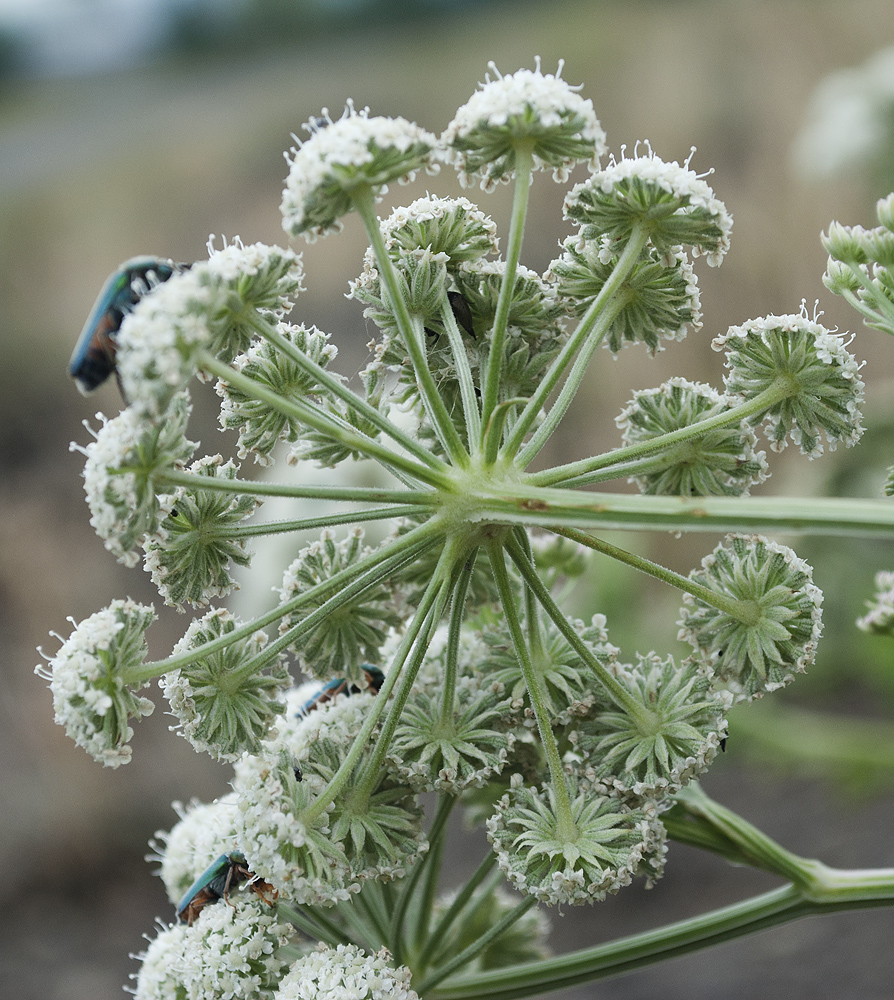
(231, 951)
(345, 973)
(527, 103)
(205, 831)
(90, 697)
(352, 152)
(679, 181)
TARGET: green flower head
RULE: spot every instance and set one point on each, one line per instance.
(767, 621)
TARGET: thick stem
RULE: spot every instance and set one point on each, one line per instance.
(521, 503)
(524, 163)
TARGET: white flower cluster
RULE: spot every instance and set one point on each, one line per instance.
(345, 973)
(206, 830)
(231, 951)
(525, 105)
(125, 458)
(356, 151)
(92, 694)
(212, 306)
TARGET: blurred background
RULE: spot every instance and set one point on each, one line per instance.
(142, 126)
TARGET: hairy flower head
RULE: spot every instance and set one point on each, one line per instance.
(260, 426)
(345, 972)
(124, 474)
(773, 629)
(671, 202)
(380, 828)
(95, 676)
(566, 682)
(226, 701)
(189, 557)
(452, 226)
(231, 951)
(608, 845)
(354, 152)
(526, 109)
(659, 299)
(351, 634)
(671, 736)
(721, 462)
(293, 853)
(817, 378)
(451, 748)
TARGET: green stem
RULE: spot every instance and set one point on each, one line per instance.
(410, 329)
(474, 950)
(374, 915)
(341, 391)
(438, 936)
(397, 933)
(148, 671)
(620, 695)
(493, 432)
(521, 503)
(249, 487)
(454, 635)
(395, 672)
(565, 826)
(433, 868)
(532, 608)
(753, 844)
(780, 389)
(327, 521)
(744, 611)
(438, 586)
(816, 882)
(524, 163)
(626, 954)
(323, 422)
(471, 414)
(585, 339)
